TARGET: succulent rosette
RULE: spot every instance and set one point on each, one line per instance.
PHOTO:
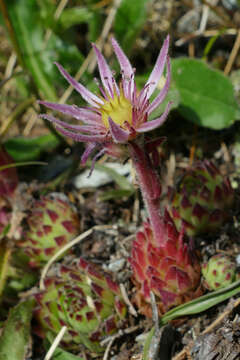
(168, 267)
(218, 272)
(202, 200)
(120, 113)
(52, 223)
(88, 302)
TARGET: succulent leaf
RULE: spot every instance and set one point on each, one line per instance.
(87, 302)
(170, 269)
(218, 272)
(52, 223)
(201, 200)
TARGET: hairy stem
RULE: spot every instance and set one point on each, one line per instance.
(150, 188)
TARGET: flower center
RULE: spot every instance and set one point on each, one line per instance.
(119, 109)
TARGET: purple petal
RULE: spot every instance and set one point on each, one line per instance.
(157, 101)
(89, 149)
(97, 156)
(82, 114)
(151, 125)
(84, 92)
(158, 68)
(127, 70)
(81, 137)
(124, 63)
(118, 134)
(105, 73)
(85, 128)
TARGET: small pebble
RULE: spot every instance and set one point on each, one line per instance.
(238, 259)
(100, 177)
(116, 265)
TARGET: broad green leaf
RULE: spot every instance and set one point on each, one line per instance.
(129, 21)
(60, 354)
(27, 149)
(16, 332)
(206, 95)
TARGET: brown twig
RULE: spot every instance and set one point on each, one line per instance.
(207, 33)
(105, 31)
(183, 355)
(193, 146)
(191, 49)
(127, 301)
(233, 54)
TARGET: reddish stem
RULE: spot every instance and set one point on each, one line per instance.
(150, 188)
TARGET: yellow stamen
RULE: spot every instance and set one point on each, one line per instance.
(119, 109)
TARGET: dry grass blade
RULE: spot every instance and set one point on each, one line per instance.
(127, 301)
(55, 343)
(57, 15)
(68, 246)
(233, 55)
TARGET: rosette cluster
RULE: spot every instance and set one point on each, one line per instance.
(84, 300)
(218, 272)
(202, 199)
(51, 224)
(169, 268)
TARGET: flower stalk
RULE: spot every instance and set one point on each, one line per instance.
(149, 184)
